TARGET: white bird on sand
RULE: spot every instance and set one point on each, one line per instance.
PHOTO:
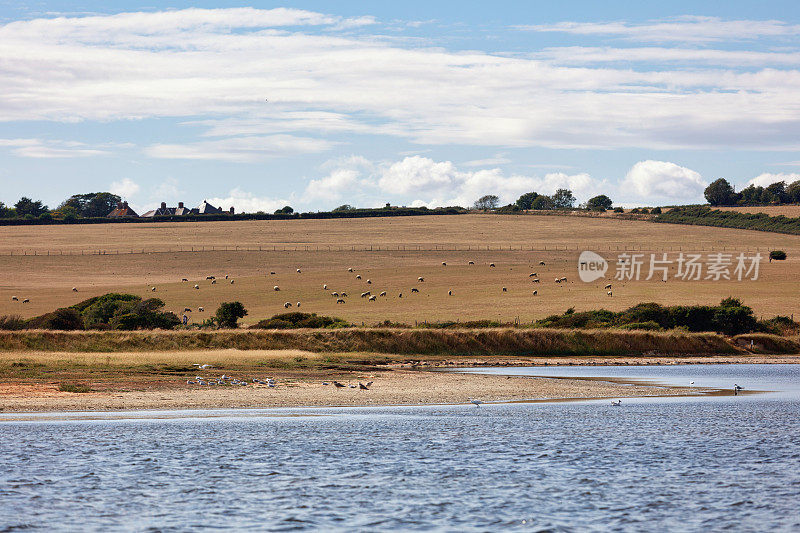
(616, 402)
(476, 402)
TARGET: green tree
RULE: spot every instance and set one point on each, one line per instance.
(89, 205)
(5, 212)
(489, 201)
(526, 200)
(285, 210)
(777, 193)
(563, 199)
(599, 202)
(793, 192)
(344, 208)
(25, 206)
(542, 202)
(720, 192)
(229, 313)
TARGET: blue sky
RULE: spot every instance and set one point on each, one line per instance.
(316, 104)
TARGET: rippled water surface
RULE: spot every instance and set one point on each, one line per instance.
(652, 465)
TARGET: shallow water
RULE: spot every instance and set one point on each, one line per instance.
(658, 464)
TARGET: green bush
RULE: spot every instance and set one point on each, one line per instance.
(648, 326)
(778, 255)
(60, 319)
(11, 322)
(655, 211)
(705, 216)
(619, 209)
(229, 313)
(300, 320)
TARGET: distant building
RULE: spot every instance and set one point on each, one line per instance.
(123, 210)
(181, 210)
(207, 209)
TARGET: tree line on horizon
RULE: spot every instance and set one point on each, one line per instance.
(721, 193)
(561, 199)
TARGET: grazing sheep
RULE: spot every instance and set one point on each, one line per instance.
(564, 279)
(449, 293)
(196, 287)
(272, 273)
(184, 279)
(334, 293)
(536, 280)
(187, 310)
(152, 289)
(226, 276)
(471, 263)
(201, 309)
(325, 287)
(349, 269)
(287, 305)
(558, 280)
(505, 290)
(74, 289)
(298, 304)
(14, 299)
(358, 276)
(232, 282)
(535, 293)
(444, 264)
(607, 286)
(609, 293)
(339, 301)
(276, 288)
(415, 290)
(210, 277)
(532, 275)
(383, 293)
(420, 279)
(364, 294)
(491, 265)
(541, 263)
(344, 295)
(298, 271)
(26, 301)
(400, 295)
(372, 298)
(369, 282)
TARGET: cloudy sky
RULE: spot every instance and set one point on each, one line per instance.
(316, 104)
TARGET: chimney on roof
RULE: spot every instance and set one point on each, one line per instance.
(124, 205)
(180, 205)
(163, 205)
(232, 211)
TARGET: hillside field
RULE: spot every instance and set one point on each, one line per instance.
(392, 253)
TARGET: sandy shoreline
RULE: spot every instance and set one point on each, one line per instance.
(31, 382)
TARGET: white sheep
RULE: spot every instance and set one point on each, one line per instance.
(210, 277)
(491, 265)
(532, 275)
(196, 287)
(213, 282)
(358, 276)
(272, 273)
(364, 294)
(420, 279)
(535, 293)
(226, 276)
(471, 263)
(287, 305)
(340, 301)
(74, 289)
(414, 290)
(610, 293)
(541, 263)
(276, 288)
(187, 310)
(14, 299)
(449, 293)
(444, 264)
(26, 301)
(505, 290)
(373, 298)
(298, 271)
(349, 269)
(152, 289)
(383, 293)
(201, 309)
(298, 304)
(400, 295)
(607, 286)
(536, 280)
(334, 293)
(325, 287)
(369, 282)
(232, 282)
(184, 279)
(344, 295)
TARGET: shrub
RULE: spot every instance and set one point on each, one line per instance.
(70, 387)
(619, 210)
(648, 326)
(60, 319)
(655, 211)
(778, 255)
(300, 320)
(11, 322)
(229, 313)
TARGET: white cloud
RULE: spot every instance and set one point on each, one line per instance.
(766, 179)
(678, 29)
(240, 149)
(425, 181)
(42, 149)
(125, 188)
(219, 66)
(246, 202)
(489, 161)
(655, 180)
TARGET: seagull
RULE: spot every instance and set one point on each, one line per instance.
(362, 386)
(736, 389)
(476, 402)
(616, 402)
(339, 385)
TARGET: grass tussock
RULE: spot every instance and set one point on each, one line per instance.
(499, 341)
(72, 387)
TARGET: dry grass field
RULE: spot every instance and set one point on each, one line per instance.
(403, 249)
(791, 211)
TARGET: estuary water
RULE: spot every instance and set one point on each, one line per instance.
(656, 464)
